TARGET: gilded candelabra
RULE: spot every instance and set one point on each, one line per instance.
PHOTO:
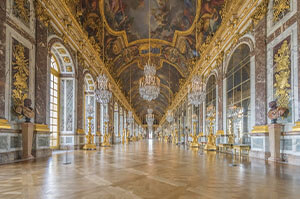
(124, 136)
(195, 137)
(90, 145)
(106, 137)
(211, 138)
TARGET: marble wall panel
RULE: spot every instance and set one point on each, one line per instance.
(220, 100)
(2, 57)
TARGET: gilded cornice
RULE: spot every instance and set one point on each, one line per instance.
(235, 24)
(62, 17)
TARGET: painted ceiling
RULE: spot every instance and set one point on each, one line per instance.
(123, 27)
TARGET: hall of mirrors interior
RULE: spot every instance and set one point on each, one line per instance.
(216, 77)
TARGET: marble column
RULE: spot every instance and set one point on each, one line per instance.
(2, 57)
(220, 100)
(260, 71)
(42, 85)
(298, 21)
(80, 97)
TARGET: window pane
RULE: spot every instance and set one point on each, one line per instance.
(246, 89)
(237, 94)
(237, 78)
(230, 98)
(246, 72)
(229, 83)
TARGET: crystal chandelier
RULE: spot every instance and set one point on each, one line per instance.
(150, 117)
(196, 93)
(130, 117)
(103, 94)
(170, 116)
(149, 84)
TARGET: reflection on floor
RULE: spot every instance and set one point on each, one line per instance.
(148, 169)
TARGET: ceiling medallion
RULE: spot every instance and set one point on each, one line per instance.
(150, 117)
(196, 91)
(103, 94)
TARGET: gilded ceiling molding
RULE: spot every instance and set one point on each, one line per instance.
(229, 35)
(41, 13)
(64, 20)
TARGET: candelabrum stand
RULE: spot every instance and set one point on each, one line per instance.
(90, 145)
(124, 136)
(194, 143)
(106, 138)
(211, 138)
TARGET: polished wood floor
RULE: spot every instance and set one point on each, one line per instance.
(148, 169)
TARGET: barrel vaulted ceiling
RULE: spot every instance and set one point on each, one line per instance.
(126, 48)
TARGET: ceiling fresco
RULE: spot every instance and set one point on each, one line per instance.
(123, 26)
(167, 16)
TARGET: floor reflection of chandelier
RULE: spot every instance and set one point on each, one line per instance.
(196, 93)
(103, 94)
(150, 83)
(150, 117)
(130, 117)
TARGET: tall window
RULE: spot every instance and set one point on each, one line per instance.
(210, 96)
(238, 93)
(54, 103)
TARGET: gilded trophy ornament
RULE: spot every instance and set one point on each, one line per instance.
(282, 75)
(20, 80)
(280, 8)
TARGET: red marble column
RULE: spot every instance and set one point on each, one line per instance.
(41, 74)
(80, 96)
(298, 21)
(220, 99)
(201, 118)
(260, 74)
(2, 57)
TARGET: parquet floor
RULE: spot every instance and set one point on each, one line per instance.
(148, 169)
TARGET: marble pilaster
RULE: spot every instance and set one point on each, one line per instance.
(260, 70)
(80, 97)
(220, 100)
(41, 74)
(2, 57)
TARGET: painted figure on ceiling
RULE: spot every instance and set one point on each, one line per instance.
(210, 16)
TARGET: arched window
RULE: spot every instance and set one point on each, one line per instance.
(238, 94)
(210, 96)
(62, 97)
(54, 102)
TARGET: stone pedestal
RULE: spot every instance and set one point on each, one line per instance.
(27, 138)
(274, 141)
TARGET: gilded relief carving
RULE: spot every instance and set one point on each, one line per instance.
(280, 8)
(21, 9)
(20, 68)
(282, 75)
